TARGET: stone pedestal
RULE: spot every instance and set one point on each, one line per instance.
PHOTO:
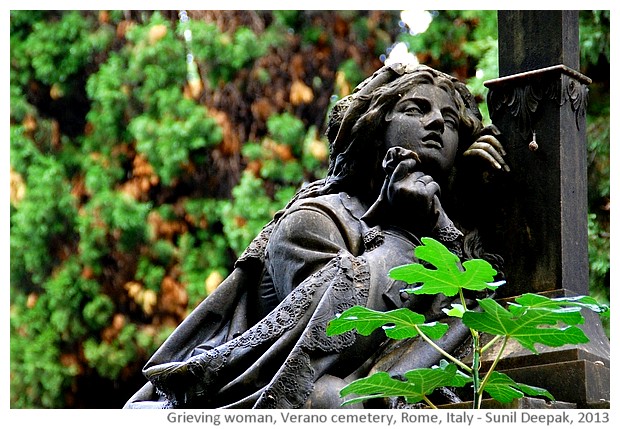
(517, 404)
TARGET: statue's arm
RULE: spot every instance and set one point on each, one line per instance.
(304, 241)
(308, 238)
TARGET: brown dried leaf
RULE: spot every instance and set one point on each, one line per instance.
(123, 28)
(134, 289)
(254, 167)
(32, 300)
(111, 332)
(262, 109)
(149, 301)
(318, 149)
(213, 281)
(18, 188)
(230, 140)
(156, 33)
(300, 93)
(29, 123)
(173, 297)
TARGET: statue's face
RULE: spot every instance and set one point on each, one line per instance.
(425, 120)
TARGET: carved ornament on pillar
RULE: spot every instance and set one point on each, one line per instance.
(520, 94)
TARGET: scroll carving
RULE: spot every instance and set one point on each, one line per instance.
(521, 97)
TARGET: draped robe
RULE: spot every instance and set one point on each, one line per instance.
(261, 334)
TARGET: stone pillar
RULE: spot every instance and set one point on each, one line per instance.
(539, 103)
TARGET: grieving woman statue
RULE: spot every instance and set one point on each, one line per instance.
(259, 340)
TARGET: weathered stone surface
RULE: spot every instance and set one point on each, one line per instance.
(522, 403)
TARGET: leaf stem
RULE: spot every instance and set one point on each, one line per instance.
(442, 351)
(476, 369)
(493, 365)
(490, 343)
(428, 401)
(462, 298)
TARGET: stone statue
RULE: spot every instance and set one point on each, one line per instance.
(259, 340)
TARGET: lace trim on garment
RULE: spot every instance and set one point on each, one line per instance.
(347, 278)
(452, 238)
(292, 387)
(348, 289)
(257, 247)
(294, 383)
(373, 238)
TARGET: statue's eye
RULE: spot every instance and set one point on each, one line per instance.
(413, 109)
(451, 121)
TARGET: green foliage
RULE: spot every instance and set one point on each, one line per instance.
(58, 49)
(505, 389)
(109, 359)
(600, 263)
(416, 387)
(529, 327)
(149, 274)
(247, 213)
(447, 277)
(287, 18)
(463, 41)
(557, 305)
(594, 35)
(37, 371)
(287, 129)
(530, 320)
(201, 255)
(397, 324)
(111, 99)
(352, 72)
(69, 306)
(43, 218)
(98, 312)
(169, 138)
(225, 54)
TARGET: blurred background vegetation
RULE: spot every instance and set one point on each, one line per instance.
(148, 148)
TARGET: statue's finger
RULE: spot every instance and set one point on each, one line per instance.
(492, 152)
(493, 142)
(491, 130)
(481, 153)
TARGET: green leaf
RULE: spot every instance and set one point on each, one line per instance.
(448, 277)
(397, 324)
(531, 300)
(457, 310)
(536, 325)
(444, 375)
(417, 384)
(504, 389)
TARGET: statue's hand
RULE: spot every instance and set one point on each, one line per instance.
(170, 379)
(411, 191)
(409, 197)
(181, 382)
(489, 149)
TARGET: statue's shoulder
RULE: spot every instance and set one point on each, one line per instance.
(340, 205)
(323, 216)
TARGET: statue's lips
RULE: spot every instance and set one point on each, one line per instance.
(433, 140)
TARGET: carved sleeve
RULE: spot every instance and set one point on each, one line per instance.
(308, 238)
